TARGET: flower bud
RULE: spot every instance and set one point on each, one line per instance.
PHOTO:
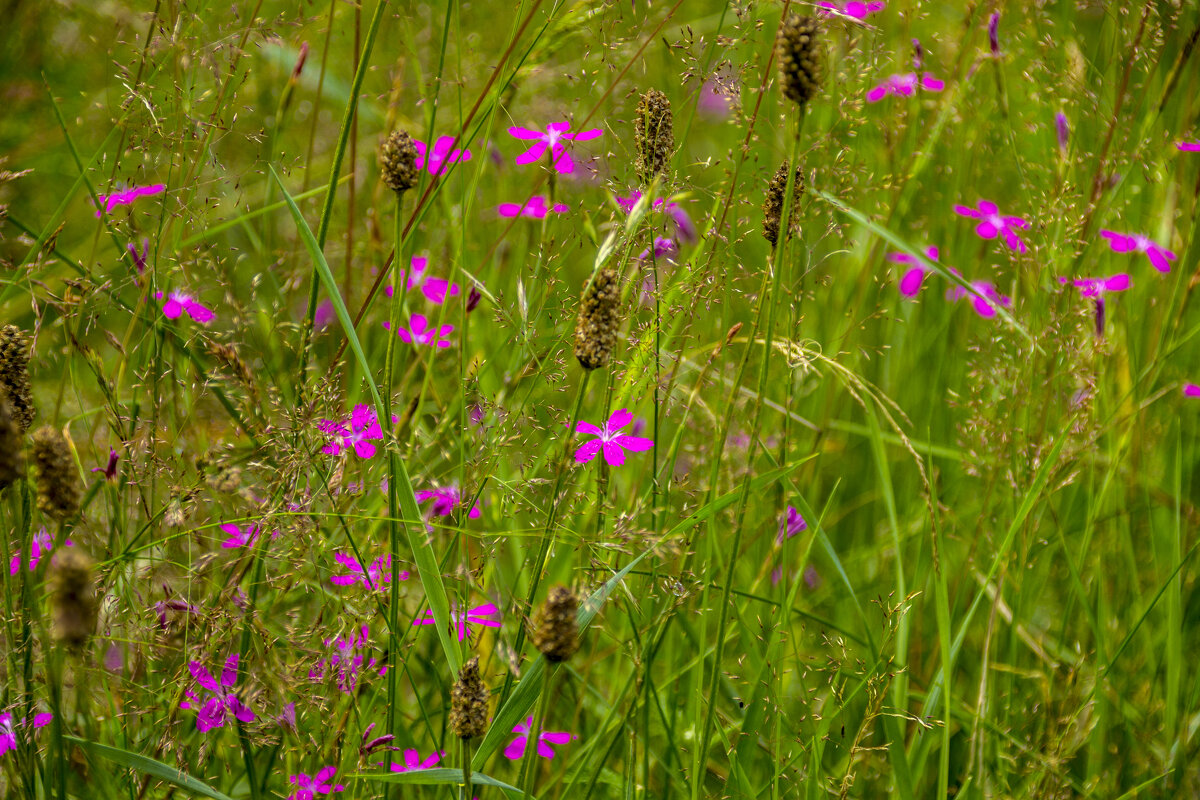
(653, 138)
(555, 630)
(799, 52)
(596, 328)
(468, 703)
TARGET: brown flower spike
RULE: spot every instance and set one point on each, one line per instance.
(653, 136)
(398, 162)
(57, 480)
(599, 318)
(74, 598)
(773, 205)
(468, 703)
(555, 631)
(12, 456)
(800, 53)
(14, 375)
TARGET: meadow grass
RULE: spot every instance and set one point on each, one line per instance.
(833, 513)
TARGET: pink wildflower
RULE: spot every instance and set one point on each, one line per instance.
(992, 223)
(412, 761)
(324, 315)
(442, 155)
(139, 259)
(434, 289)
(910, 283)
(533, 208)
(445, 500)
(8, 733)
(378, 573)
(347, 658)
(127, 197)
(480, 615)
(222, 702)
(1191, 390)
(985, 306)
(854, 9)
(355, 433)
(1096, 287)
(994, 34)
(685, 229)
(663, 248)
(1062, 131)
(419, 332)
(610, 440)
(715, 100)
(41, 546)
(179, 303)
(242, 537)
(516, 748)
(1189, 147)
(110, 469)
(307, 788)
(790, 524)
(904, 85)
(552, 138)
(1160, 257)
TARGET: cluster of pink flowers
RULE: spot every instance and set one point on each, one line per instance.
(8, 733)
(41, 545)
(436, 290)
(308, 787)
(445, 501)
(223, 700)
(355, 433)
(347, 658)
(373, 577)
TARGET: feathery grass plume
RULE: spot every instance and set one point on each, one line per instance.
(398, 161)
(14, 375)
(555, 631)
(74, 598)
(468, 702)
(596, 329)
(57, 481)
(799, 52)
(12, 456)
(773, 205)
(654, 138)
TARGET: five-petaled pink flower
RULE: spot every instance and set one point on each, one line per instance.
(445, 500)
(1191, 390)
(790, 524)
(552, 138)
(374, 576)
(993, 223)
(1160, 257)
(127, 197)
(1096, 288)
(533, 208)
(434, 289)
(223, 700)
(610, 440)
(480, 615)
(903, 85)
(419, 332)
(516, 748)
(1189, 147)
(910, 282)
(307, 788)
(854, 9)
(8, 733)
(442, 155)
(985, 305)
(179, 303)
(354, 434)
(412, 761)
(242, 537)
(41, 546)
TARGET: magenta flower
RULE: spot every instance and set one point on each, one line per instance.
(307, 788)
(1191, 390)
(444, 154)
(41, 546)
(985, 306)
(1096, 288)
(412, 761)
(179, 303)
(610, 440)
(910, 282)
(533, 208)
(663, 248)
(347, 658)
(242, 537)
(8, 733)
(480, 615)
(445, 500)
(419, 332)
(1062, 130)
(324, 315)
(355, 434)
(110, 469)
(434, 289)
(223, 700)
(790, 524)
(373, 577)
(1189, 147)
(685, 229)
(904, 85)
(552, 138)
(993, 223)
(516, 748)
(127, 197)
(994, 33)
(715, 100)
(139, 259)
(1160, 257)
(853, 8)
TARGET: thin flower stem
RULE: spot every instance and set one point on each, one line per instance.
(399, 285)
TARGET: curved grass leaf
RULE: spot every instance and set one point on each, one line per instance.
(149, 766)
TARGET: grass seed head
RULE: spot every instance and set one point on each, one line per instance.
(468, 702)
(398, 161)
(12, 456)
(599, 318)
(654, 138)
(74, 598)
(57, 481)
(14, 375)
(555, 631)
(800, 54)
(773, 205)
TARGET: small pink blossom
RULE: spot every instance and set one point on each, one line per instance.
(552, 138)
(715, 100)
(139, 259)
(533, 208)
(685, 229)
(992, 223)
(663, 248)
(223, 700)
(610, 440)
(378, 573)
(1189, 147)
(854, 9)
(985, 306)
(445, 501)
(434, 289)
(41, 546)
(419, 332)
(179, 303)
(444, 154)
(242, 537)
(1096, 287)
(480, 615)
(1191, 390)
(903, 85)
(1160, 257)
(347, 658)
(127, 197)
(516, 748)
(8, 733)
(355, 433)
(412, 761)
(307, 788)
(790, 524)
(910, 282)
(325, 315)
(109, 469)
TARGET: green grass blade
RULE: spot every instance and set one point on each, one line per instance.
(149, 766)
